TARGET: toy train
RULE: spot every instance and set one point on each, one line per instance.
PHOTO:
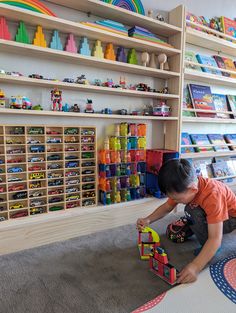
(158, 260)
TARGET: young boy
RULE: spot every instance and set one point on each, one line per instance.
(210, 210)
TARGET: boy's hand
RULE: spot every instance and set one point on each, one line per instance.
(142, 223)
(188, 274)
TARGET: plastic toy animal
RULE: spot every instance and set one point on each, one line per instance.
(56, 98)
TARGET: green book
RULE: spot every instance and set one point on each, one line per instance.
(190, 56)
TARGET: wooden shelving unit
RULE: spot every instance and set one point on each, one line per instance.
(46, 168)
(217, 43)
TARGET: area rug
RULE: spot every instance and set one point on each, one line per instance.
(213, 292)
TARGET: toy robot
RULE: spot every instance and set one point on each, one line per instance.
(56, 98)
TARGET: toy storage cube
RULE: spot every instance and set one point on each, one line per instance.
(155, 158)
(152, 186)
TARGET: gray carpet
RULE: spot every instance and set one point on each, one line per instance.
(100, 273)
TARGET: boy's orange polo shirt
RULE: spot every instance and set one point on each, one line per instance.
(215, 198)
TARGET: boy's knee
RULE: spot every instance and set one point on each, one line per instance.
(194, 214)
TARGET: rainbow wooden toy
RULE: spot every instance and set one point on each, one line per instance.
(32, 5)
(97, 51)
(132, 57)
(56, 41)
(39, 39)
(84, 47)
(110, 53)
(71, 45)
(146, 247)
(22, 34)
(4, 31)
(131, 5)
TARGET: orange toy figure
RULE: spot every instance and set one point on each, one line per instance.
(56, 98)
(110, 53)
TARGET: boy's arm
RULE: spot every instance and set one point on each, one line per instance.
(190, 272)
(160, 212)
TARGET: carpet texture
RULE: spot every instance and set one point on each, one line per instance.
(99, 273)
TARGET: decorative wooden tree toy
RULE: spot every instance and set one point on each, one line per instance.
(56, 99)
(98, 52)
(39, 39)
(71, 45)
(121, 55)
(132, 57)
(110, 53)
(56, 41)
(22, 34)
(84, 47)
(4, 31)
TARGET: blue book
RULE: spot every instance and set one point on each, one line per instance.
(204, 59)
(186, 140)
(231, 138)
(202, 141)
(218, 139)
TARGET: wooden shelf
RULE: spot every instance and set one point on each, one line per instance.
(210, 42)
(85, 115)
(209, 78)
(121, 15)
(225, 177)
(78, 29)
(208, 120)
(21, 80)
(212, 154)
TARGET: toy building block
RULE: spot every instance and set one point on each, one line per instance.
(121, 56)
(39, 39)
(110, 53)
(146, 247)
(22, 34)
(84, 47)
(160, 266)
(132, 57)
(4, 31)
(97, 51)
(71, 45)
(56, 41)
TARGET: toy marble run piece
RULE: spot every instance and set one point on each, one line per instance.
(70, 44)
(146, 247)
(110, 53)
(98, 52)
(39, 39)
(22, 34)
(160, 266)
(4, 31)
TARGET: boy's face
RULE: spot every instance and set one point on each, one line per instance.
(184, 197)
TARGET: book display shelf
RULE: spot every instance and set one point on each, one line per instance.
(46, 168)
(201, 77)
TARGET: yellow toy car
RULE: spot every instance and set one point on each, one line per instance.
(36, 176)
(16, 206)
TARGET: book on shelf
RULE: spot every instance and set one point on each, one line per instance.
(218, 139)
(220, 103)
(231, 138)
(193, 18)
(190, 56)
(201, 140)
(207, 60)
(187, 102)
(221, 169)
(229, 64)
(201, 97)
(230, 161)
(186, 140)
(232, 104)
(202, 167)
(229, 26)
(221, 64)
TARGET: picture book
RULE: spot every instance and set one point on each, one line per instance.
(207, 60)
(202, 99)
(231, 138)
(220, 103)
(218, 139)
(193, 18)
(186, 140)
(221, 169)
(229, 26)
(203, 167)
(230, 163)
(190, 56)
(201, 140)
(229, 64)
(187, 102)
(221, 64)
(232, 104)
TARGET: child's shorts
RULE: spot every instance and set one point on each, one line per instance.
(179, 231)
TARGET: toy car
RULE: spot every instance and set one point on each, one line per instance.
(75, 108)
(56, 208)
(2, 200)
(15, 151)
(106, 111)
(87, 164)
(53, 132)
(68, 80)
(37, 76)
(73, 182)
(37, 176)
(54, 157)
(71, 131)
(88, 194)
(16, 206)
(142, 87)
(71, 149)
(87, 139)
(1, 161)
(71, 139)
(35, 168)
(71, 157)
(87, 148)
(54, 166)
(18, 131)
(36, 131)
(87, 172)
(73, 189)
(71, 173)
(82, 80)
(55, 175)
(16, 188)
(109, 83)
(56, 182)
(2, 208)
(54, 140)
(36, 159)
(37, 149)
(88, 179)
(123, 112)
(2, 218)
(13, 141)
(55, 192)
(19, 214)
(33, 141)
(1, 170)
(15, 161)
(1, 189)
(72, 198)
(20, 195)
(37, 202)
(70, 205)
(36, 194)
(34, 185)
(88, 186)
(161, 110)
(19, 102)
(34, 211)
(17, 74)
(87, 132)
(88, 202)
(72, 164)
(11, 179)
(14, 170)
(87, 155)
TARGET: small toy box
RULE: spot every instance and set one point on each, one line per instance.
(156, 157)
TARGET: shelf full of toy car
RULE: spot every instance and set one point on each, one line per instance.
(122, 164)
(45, 169)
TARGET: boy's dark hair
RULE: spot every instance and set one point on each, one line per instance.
(176, 175)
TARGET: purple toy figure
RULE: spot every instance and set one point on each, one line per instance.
(121, 56)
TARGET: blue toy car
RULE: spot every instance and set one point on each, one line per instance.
(15, 170)
(37, 149)
(72, 164)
